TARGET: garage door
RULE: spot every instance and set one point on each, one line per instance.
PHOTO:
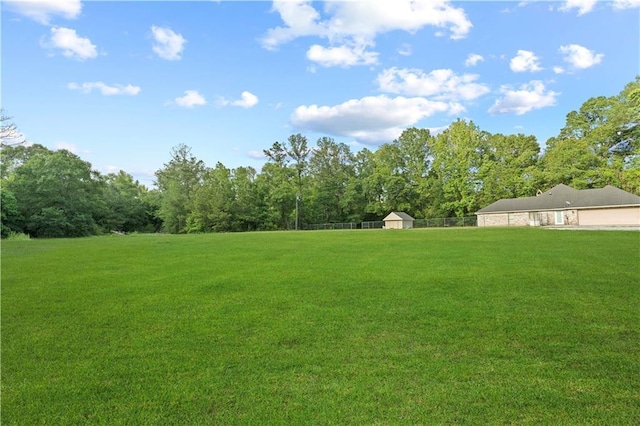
(623, 216)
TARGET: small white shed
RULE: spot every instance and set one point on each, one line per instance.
(398, 220)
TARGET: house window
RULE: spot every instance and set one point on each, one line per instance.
(559, 219)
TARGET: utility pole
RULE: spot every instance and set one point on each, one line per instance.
(297, 211)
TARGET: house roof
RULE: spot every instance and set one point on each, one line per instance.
(398, 216)
(562, 197)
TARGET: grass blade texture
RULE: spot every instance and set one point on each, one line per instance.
(526, 326)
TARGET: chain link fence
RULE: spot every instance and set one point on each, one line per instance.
(320, 226)
(445, 222)
(376, 224)
(442, 222)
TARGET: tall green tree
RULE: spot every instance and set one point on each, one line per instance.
(332, 173)
(283, 180)
(598, 145)
(128, 206)
(12, 157)
(571, 162)
(10, 216)
(626, 153)
(508, 169)
(276, 187)
(366, 185)
(58, 195)
(248, 207)
(298, 151)
(178, 182)
(212, 202)
(458, 153)
(414, 148)
(397, 177)
(383, 182)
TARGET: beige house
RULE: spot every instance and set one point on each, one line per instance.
(563, 205)
(398, 220)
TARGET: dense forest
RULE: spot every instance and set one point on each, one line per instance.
(49, 193)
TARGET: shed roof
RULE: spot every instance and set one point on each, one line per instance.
(398, 216)
(564, 197)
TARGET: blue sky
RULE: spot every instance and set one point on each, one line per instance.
(121, 83)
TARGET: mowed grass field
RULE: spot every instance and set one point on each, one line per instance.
(472, 326)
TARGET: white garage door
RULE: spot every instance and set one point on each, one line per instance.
(623, 216)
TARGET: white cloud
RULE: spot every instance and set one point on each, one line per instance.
(257, 155)
(473, 59)
(372, 119)
(168, 44)
(71, 44)
(366, 19)
(191, 99)
(111, 169)
(586, 6)
(625, 4)
(442, 84)
(352, 26)
(66, 146)
(525, 61)
(405, 49)
(558, 70)
(247, 100)
(144, 177)
(583, 6)
(43, 11)
(437, 130)
(300, 19)
(363, 20)
(527, 97)
(579, 56)
(343, 56)
(116, 89)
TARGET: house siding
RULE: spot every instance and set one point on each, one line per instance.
(495, 219)
(393, 224)
(623, 216)
(504, 219)
(398, 221)
(398, 224)
(563, 205)
(544, 218)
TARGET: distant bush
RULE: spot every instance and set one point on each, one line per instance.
(17, 236)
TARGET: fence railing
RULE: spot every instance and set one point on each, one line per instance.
(374, 224)
(445, 222)
(442, 222)
(319, 226)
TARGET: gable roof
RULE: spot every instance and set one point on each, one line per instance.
(562, 197)
(398, 216)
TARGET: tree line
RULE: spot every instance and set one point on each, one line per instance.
(49, 193)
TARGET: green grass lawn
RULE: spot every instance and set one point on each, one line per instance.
(475, 326)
